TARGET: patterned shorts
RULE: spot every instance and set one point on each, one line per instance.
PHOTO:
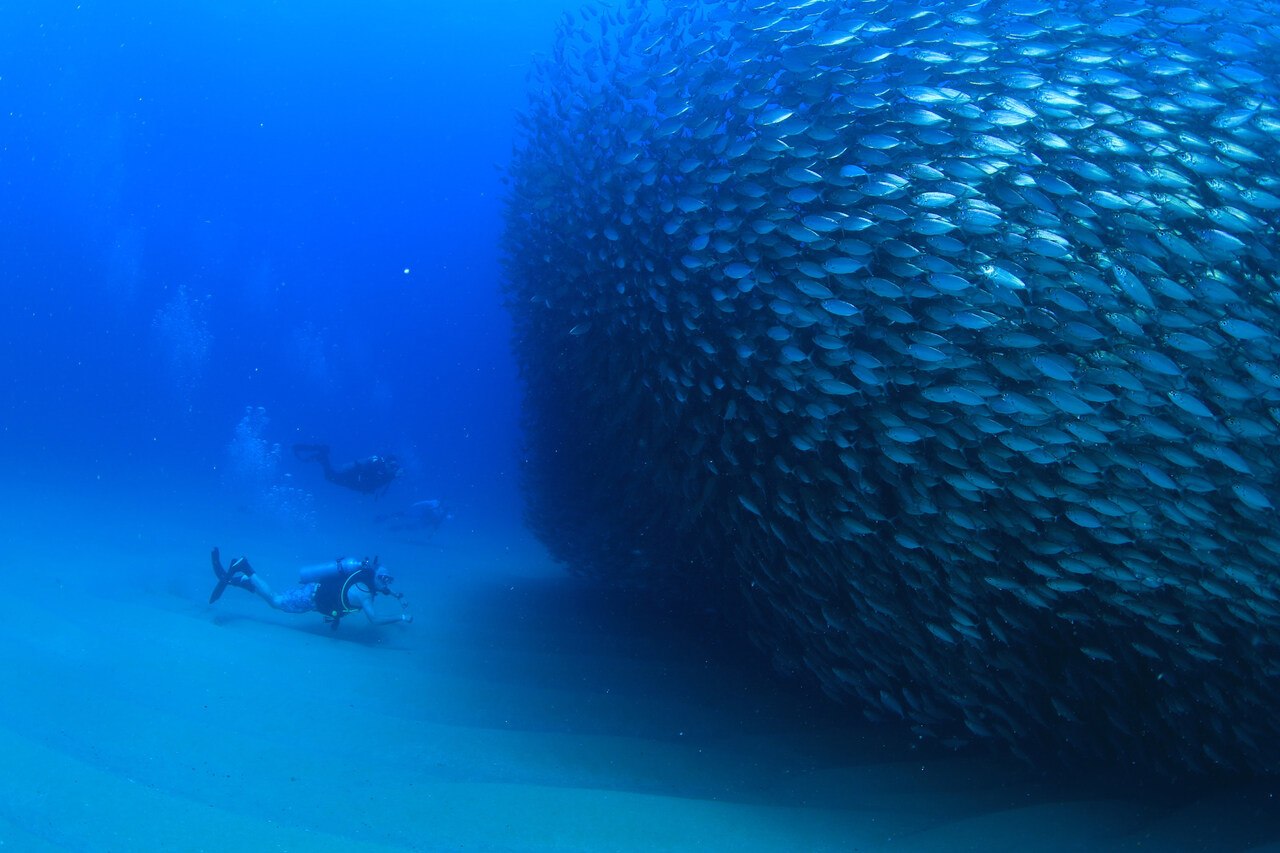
(300, 599)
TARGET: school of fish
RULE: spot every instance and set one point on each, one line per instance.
(936, 343)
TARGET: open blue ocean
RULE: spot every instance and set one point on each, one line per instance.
(704, 425)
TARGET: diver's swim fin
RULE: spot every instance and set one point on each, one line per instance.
(218, 589)
(224, 577)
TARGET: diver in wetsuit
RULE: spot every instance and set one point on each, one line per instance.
(333, 589)
(369, 476)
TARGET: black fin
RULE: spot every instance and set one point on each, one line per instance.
(224, 578)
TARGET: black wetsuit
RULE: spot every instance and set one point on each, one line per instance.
(331, 595)
(368, 476)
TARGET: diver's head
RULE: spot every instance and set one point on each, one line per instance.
(382, 579)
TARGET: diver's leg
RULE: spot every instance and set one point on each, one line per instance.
(241, 574)
(288, 601)
(256, 584)
(315, 453)
(300, 599)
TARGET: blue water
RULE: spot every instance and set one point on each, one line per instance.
(226, 227)
(209, 206)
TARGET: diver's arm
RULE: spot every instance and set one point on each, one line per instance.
(382, 619)
(359, 594)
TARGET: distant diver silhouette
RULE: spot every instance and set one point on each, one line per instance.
(424, 516)
(369, 476)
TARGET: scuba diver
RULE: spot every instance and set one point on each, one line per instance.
(424, 516)
(334, 589)
(369, 476)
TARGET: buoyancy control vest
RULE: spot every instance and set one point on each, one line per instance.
(332, 597)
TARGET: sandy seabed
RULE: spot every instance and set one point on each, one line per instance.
(521, 711)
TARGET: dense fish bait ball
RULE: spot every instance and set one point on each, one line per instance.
(942, 336)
